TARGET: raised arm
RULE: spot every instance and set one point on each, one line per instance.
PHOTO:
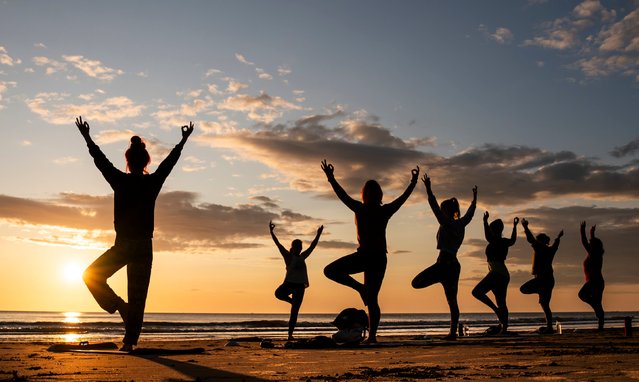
(280, 247)
(101, 162)
(584, 240)
(432, 201)
(513, 235)
(165, 168)
(339, 191)
(468, 216)
(555, 244)
(311, 247)
(487, 231)
(529, 235)
(397, 203)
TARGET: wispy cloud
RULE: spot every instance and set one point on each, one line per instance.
(242, 59)
(93, 68)
(4, 86)
(262, 108)
(235, 86)
(6, 59)
(629, 148)
(262, 74)
(605, 44)
(51, 66)
(56, 109)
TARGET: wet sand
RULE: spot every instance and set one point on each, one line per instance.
(577, 356)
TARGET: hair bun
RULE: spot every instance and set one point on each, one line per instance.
(137, 142)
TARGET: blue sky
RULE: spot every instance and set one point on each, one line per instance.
(533, 101)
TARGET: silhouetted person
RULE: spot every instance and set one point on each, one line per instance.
(449, 238)
(592, 291)
(296, 280)
(134, 204)
(371, 219)
(497, 279)
(544, 280)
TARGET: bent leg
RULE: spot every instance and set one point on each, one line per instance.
(283, 293)
(482, 288)
(429, 276)
(96, 275)
(341, 270)
(138, 278)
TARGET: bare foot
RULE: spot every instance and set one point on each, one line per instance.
(450, 337)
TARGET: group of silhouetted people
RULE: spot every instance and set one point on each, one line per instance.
(135, 192)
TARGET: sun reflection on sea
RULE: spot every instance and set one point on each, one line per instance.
(71, 317)
(70, 337)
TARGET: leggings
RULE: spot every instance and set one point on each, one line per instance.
(137, 256)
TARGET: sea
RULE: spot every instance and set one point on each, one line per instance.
(98, 326)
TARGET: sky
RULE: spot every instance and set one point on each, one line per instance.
(535, 102)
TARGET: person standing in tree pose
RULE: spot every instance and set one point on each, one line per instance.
(449, 238)
(498, 277)
(592, 291)
(544, 279)
(296, 280)
(371, 219)
(135, 193)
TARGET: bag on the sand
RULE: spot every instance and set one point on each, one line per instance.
(352, 324)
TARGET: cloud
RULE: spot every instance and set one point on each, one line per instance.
(56, 109)
(361, 148)
(262, 108)
(93, 68)
(235, 86)
(243, 59)
(630, 148)
(261, 74)
(4, 86)
(212, 72)
(283, 71)
(5, 59)
(170, 115)
(502, 36)
(604, 45)
(51, 66)
(182, 224)
(65, 160)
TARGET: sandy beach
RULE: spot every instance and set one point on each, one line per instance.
(579, 356)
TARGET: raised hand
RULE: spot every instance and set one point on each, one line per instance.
(271, 226)
(516, 220)
(475, 193)
(426, 181)
(486, 216)
(582, 226)
(524, 223)
(561, 233)
(82, 126)
(328, 168)
(414, 174)
(187, 130)
(320, 230)
(592, 231)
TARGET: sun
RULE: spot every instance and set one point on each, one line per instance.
(72, 272)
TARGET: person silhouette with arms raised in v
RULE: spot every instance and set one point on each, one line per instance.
(592, 291)
(544, 279)
(296, 279)
(135, 193)
(498, 277)
(371, 219)
(449, 238)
